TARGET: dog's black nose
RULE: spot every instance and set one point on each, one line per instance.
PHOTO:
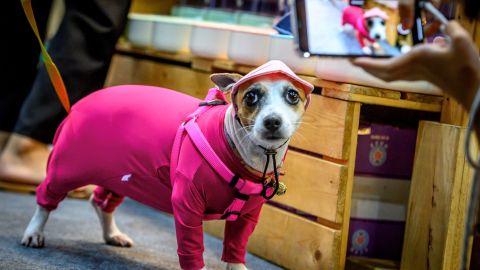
(377, 36)
(272, 123)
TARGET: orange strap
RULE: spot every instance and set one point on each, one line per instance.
(52, 70)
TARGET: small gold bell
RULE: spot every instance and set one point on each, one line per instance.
(282, 189)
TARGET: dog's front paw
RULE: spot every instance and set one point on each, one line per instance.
(34, 239)
(119, 240)
(367, 50)
(236, 266)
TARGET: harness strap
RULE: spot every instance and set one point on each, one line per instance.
(244, 188)
(213, 94)
(242, 185)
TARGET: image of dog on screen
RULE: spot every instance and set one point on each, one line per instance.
(341, 27)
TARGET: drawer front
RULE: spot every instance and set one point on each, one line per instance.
(314, 186)
(290, 241)
(326, 128)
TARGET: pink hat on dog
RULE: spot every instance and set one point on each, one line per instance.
(271, 68)
(375, 12)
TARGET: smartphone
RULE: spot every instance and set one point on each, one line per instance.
(352, 28)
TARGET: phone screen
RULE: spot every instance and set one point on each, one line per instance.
(353, 28)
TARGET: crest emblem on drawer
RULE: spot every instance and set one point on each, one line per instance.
(378, 153)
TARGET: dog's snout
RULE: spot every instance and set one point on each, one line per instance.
(377, 36)
(272, 123)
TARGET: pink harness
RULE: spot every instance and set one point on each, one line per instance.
(244, 187)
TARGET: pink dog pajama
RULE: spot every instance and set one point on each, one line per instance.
(121, 138)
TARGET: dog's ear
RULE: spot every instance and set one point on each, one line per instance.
(225, 81)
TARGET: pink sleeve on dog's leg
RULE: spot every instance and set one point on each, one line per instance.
(188, 209)
(237, 234)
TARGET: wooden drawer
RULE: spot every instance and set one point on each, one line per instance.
(290, 241)
(315, 186)
(130, 70)
(326, 128)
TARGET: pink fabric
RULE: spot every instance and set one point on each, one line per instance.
(106, 199)
(121, 138)
(203, 146)
(354, 16)
(275, 67)
(375, 12)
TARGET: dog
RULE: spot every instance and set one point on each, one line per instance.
(149, 144)
(370, 26)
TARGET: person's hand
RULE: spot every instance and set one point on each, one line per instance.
(453, 65)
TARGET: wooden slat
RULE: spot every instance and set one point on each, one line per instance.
(440, 183)
(381, 189)
(229, 65)
(80, 193)
(325, 128)
(460, 199)
(314, 186)
(202, 64)
(123, 46)
(17, 187)
(152, 6)
(358, 89)
(129, 70)
(422, 98)
(389, 102)
(290, 241)
(453, 113)
(363, 263)
(352, 137)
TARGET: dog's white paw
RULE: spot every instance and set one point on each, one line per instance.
(367, 50)
(33, 235)
(236, 266)
(34, 239)
(119, 240)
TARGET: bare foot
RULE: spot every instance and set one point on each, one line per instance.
(24, 160)
(111, 234)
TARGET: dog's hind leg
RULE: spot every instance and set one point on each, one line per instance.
(104, 202)
(49, 194)
(33, 236)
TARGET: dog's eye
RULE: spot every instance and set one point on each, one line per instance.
(383, 23)
(369, 23)
(292, 97)
(251, 98)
